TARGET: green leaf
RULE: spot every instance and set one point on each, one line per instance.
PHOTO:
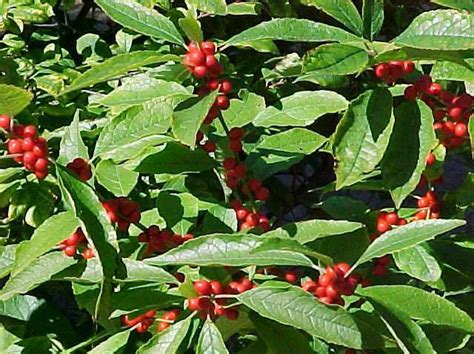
(285, 244)
(362, 136)
(168, 341)
(292, 30)
(408, 335)
(228, 250)
(279, 338)
(456, 4)
(72, 146)
(219, 219)
(112, 344)
(116, 66)
(180, 211)
(412, 139)
(439, 30)
(192, 28)
(443, 70)
(116, 178)
(342, 10)
(20, 307)
(275, 153)
(188, 118)
(420, 305)
(81, 198)
(335, 59)
(295, 307)
(176, 159)
(13, 99)
(373, 17)
(308, 231)
(54, 230)
(407, 236)
(244, 8)
(301, 109)
(215, 7)
(132, 126)
(418, 263)
(210, 340)
(140, 19)
(141, 89)
(7, 259)
(242, 111)
(39, 271)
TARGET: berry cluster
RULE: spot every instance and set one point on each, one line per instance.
(386, 221)
(81, 168)
(208, 305)
(249, 220)
(141, 323)
(26, 147)
(235, 139)
(380, 266)
(429, 207)
(393, 70)
(168, 318)
(74, 242)
(332, 284)
(122, 211)
(160, 241)
(451, 113)
(201, 60)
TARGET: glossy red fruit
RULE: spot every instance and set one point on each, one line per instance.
(162, 326)
(15, 146)
(211, 61)
(203, 287)
(379, 270)
(208, 47)
(383, 226)
(392, 218)
(222, 102)
(70, 251)
(408, 66)
(5, 122)
(225, 87)
(240, 170)
(290, 276)
(460, 130)
(309, 286)
(262, 194)
(209, 146)
(423, 203)
(196, 58)
(236, 133)
(216, 287)
(455, 113)
(200, 71)
(30, 131)
(235, 146)
(431, 159)
(19, 130)
(41, 165)
(435, 89)
(88, 253)
(411, 93)
(342, 268)
(29, 159)
(382, 70)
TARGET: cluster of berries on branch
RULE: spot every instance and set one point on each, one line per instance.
(208, 303)
(81, 168)
(160, 241)
(141, 323)
(386, 221)
(122, 211)
(75, 243)
(380, 266)
(333, 283)
(451, 113)
(249, 219)
(167, 319)
(428, 207)
(26, 147)
(393, 70)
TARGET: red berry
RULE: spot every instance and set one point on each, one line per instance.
(252, 219)
(203, 287)
(197, 58)
(246, 226)
(411, 93)
(232, 314)
(455, 113)
(342, 268)
(423, 203)
(392, 218)
(255, 184)
(235, 145)
(5, 122)
(309, 286)
(230, 163)
(70, 251)
(222, 102)
(225, 87)
(379, 270)
(200, 71)
(241, 214)
(383, 226)
(162, 326)
(29, 159)
(431, 159)
(216, 287)
(408, 66)
(88, 253)
(216, 70)
(15, 146)
(439, 114)
(290, 276)
(30, 131)
(18, 130)
(435, 89)
(193, 47)
(382, 70)
(211, 61)
(262, 194)
(240, 170)
(208, 47)
(236, 133)
(209, 146)
(213, 84)
(28, 144)
(41, 165)
(460, 130)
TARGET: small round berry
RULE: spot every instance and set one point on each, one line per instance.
(382, 70)
(309, 286)
(383, 226)
(208, 47)
(455, 113)
(19, 130)
(342, 268)
(435, 89)
(235, 146)
(392, 218)
(5, 122)
(222, 102)
(30, 131)
(290, 276)
(209, 146)
(216, 287)
(232, 314)
(211, 61)
(411, 93)
(408, 66)
(29, 159)
(41, 165)
(203, 287)
(431, 159)
(225, 87)
(423, 203)
(236, 133)
(379, 270)
(162, 326)
(70, 251)
(197, 58)
(230, 163)
(88, 253)
(200, 71)
(460, 130)
(15, 146)
(262, 194)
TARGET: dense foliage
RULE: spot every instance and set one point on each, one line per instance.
(271, 176)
